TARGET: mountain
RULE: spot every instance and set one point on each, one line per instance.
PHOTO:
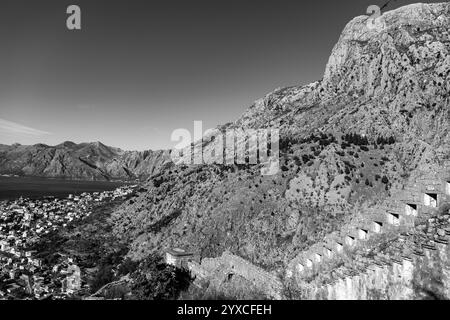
(84, 161)
(377, 121)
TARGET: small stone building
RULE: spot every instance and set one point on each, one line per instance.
(179, 257)
(72, 283)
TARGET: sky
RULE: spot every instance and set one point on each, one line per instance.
(139, 69)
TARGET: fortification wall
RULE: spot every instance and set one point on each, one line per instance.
(408, 279)
(369, 225)
(219, 269)
(340, 268)
(349, 264)
(378, 282)
(262, 279)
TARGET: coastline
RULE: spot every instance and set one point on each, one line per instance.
(12, 188)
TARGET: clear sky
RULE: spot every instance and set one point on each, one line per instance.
(139, 69)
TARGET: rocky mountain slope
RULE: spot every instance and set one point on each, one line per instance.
(380, 113)
(85, 161)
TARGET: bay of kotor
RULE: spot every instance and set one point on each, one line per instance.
(35, 188)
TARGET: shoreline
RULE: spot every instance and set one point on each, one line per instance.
(8, 176)
(13, 188)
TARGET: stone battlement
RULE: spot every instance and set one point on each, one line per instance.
(389, 221)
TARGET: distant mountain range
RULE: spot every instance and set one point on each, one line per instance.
(84, 161)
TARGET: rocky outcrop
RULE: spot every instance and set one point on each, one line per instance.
(85, 161)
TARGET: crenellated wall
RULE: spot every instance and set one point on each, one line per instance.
(350, 264)
(411, 278)
(396, 250)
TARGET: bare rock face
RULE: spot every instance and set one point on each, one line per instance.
(397, 34)
(399, 66)
(380, 114)
(85, 161)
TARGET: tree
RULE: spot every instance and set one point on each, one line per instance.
(155, 280)
(103, 276)
(127, 266)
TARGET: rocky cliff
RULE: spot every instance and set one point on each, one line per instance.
(85, 161)
(378, 118)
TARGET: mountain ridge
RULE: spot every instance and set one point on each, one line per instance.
(83, 161)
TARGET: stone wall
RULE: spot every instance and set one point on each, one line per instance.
(349, 264)
(408, 279)
(219, 269)
(378, 282)
(262, 279)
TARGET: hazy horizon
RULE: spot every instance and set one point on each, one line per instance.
(139, 70)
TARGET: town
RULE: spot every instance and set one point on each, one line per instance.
(23, 222)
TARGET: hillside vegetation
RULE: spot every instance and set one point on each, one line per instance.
(380, 113)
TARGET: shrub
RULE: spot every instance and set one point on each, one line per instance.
(382, 141)
(127, 266)
(305, 158)
(356, 139)
(103, 276)
(155, 280)
(364, 148)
